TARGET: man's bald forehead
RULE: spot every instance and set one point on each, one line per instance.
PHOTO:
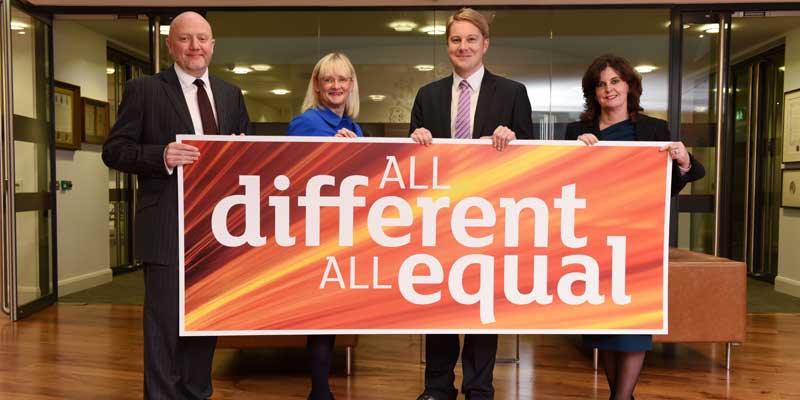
(188, 17)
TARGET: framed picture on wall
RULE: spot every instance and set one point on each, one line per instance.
(67, 112)
(790, 196)
(791, 126)
(95, 120)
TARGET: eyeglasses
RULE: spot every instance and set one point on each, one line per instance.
(328, 80)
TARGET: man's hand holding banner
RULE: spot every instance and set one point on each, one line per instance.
(312, 235)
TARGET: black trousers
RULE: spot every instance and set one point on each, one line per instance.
(175, 368)
(477, 362)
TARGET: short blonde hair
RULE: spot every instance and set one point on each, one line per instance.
(473, 17)
(328, 66)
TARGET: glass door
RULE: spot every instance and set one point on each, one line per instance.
(28, 242)
(755, 173)
(703, 56)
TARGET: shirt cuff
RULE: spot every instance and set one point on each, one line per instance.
(166, 167)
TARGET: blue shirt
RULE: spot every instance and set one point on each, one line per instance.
(321, 122)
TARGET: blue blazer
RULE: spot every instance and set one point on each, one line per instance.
(321, 122)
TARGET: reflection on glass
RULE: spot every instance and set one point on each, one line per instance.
(23, 52)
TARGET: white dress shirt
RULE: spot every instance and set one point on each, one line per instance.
(190, 95)
(475, 83)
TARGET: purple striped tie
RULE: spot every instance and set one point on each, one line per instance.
(462, 114)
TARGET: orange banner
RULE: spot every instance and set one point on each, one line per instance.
(313, 235)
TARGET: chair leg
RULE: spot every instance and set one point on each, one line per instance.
(595, 358)
(728, 350)
(349, 360)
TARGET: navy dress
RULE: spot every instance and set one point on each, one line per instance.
(626, 343)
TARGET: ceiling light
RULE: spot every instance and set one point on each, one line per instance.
(164, 30)
(110, 71)
(241, 70)
(433, 29)
(18, 26)
(686, 26)
(377, 97)
(280, 92)
(261, 67)
(20, 32)
(702, 36)
(710, 28)
(402, 26)
(244, 92)
(644, 69)
(424, 67)
(782, 68)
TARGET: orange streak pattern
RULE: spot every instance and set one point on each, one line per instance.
(278, 288)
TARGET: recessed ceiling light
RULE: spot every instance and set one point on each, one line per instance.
(261, 67)
(164, 30)
(241, 70)
(280, 92)
(402, 26)
(645, 69)
(18, 26)
(702, 36)
(110, 71)
(377, 97)
(244, 92)
(433, 29)
(710, 28)
(424, 67)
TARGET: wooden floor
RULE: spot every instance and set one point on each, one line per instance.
(95, 352)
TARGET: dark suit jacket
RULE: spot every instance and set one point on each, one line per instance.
(646, 129)
(152, 112)
(501, 101)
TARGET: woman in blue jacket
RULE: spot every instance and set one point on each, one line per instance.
(331, 101)
(330, 105)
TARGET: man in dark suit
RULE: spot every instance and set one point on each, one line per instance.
(183, 99)
(471, 103)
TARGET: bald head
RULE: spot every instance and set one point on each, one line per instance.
(191, 43)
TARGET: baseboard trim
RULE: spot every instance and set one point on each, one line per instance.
(83, 282)
(787, 286)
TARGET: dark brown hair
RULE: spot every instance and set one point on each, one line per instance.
(592, 77)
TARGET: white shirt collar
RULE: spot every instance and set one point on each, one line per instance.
(474, 80)
(187, 81)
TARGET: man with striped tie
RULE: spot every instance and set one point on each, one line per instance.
(471, 103)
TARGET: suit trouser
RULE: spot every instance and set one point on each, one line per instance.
(477, 360)
(175, 368)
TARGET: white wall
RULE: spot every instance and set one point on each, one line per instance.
(83, 226)
(788, 279)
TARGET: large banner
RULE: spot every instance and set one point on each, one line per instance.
(324, 235)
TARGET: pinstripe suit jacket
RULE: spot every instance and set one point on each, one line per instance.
(152, 112)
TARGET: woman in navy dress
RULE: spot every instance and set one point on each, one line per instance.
(330, 105)
(611, 90)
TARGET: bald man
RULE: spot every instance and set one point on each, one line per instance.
(184, 99)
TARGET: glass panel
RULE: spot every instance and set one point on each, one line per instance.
(34, 249)
(546, 50)
(698, 121)
(32, 131)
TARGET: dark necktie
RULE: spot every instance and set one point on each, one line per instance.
(206, 112)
